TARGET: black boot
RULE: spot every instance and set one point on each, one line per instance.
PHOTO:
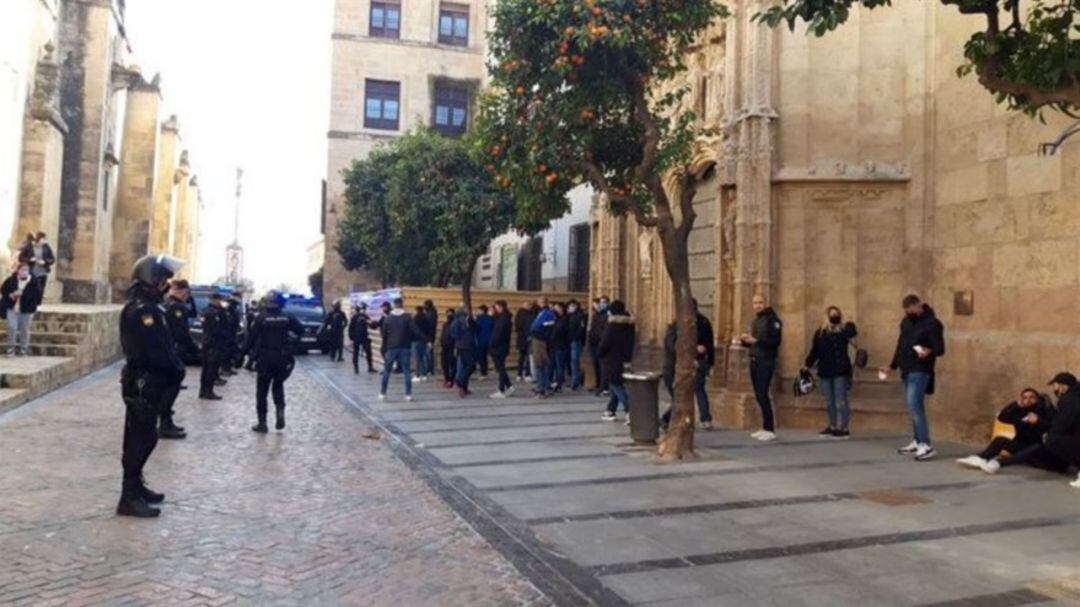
(261, 426)
(169, 430)
(133, 504)
(209, 396)
(280, 410)
(220, 382)
(149, 496)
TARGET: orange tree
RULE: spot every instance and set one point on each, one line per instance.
(578, 100)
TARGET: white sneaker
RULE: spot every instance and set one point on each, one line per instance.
(765, 436)
(608, 416)
(382, 397)
(510, 391)
(408, 398)
(910, 448)
(1076, 483)
(498, 395)
(991, 466)
(972, 461)
(706, 425)
(756, 434)
(627, 420)
(924, 453)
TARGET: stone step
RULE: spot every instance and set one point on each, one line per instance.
(11, 398)
(55, 338)
(39, 325)
(37, 374)
(60, 350)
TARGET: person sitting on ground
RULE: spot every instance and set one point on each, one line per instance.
(1061, 447)
(1030, 415)
(617, 349)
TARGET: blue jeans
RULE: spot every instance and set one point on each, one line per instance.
(561, 360)
(835, 390)
(915, 385)
(419, 354)
(466, 364)
(618, 395)
(543, 374)
(401, 357)
(577, 376)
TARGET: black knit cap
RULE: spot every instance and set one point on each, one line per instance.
(1065, 379)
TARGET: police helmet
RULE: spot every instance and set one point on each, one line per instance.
(271, 301)
(804, 383)
(152, 270)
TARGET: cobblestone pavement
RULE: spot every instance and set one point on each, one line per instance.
(316, 515)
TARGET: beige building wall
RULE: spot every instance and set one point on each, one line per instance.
(857, 168)
(417, 61)
(165, 182)
(135, 193)
(186, 234)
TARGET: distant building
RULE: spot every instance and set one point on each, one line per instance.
(316, 256)
(557, 259)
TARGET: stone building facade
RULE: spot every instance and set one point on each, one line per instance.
(852, 170)
(396, 64)
(89, 162)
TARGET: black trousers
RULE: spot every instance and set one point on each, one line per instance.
(761, 375)
(524, 368)
(364, 347)
(169, 402)
(337, 347)
(211, 371)
(142, 407)
(449, 364)
(1037, 456)
(271, 380)
(481, 354)
(499, 358)
(1000, 444)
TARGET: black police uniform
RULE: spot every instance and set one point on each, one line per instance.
(214, 349)
(358, 333)
(335, 325)
(233, 320)
(177, 312)
(152, 371)
(269, 338)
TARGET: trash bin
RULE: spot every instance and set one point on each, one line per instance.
(643, 389)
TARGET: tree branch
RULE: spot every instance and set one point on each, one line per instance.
(686, 204)
(651, 148)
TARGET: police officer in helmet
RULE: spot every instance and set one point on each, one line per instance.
(151, 373)
(274, 362)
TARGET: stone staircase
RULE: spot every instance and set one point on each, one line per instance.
(67, 341)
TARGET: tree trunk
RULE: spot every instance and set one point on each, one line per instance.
(466, 285)
(678, 442)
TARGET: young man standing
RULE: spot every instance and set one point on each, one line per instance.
(398, 329)
(522, 322)
(500, 348)
(921, 343)
(766, 333)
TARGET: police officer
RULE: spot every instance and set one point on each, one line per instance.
(230, 307)
(250, 316)
(177, 313)
(214, 347)
(269, 337)
(361, 340)
(151, 371)
(334, 327)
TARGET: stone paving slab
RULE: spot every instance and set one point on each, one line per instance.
(804, 521)
(315, 515)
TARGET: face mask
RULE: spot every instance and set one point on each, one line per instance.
(572, 309)
(835, 319)
(603, 307)
(224, 305)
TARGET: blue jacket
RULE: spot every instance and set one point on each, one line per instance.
(485, 325)
(543, 326)
(463, 332)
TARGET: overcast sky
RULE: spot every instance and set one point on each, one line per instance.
(250, 82)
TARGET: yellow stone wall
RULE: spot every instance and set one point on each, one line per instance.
(165, 181)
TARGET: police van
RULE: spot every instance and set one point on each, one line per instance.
(200, 299)
(310, 312)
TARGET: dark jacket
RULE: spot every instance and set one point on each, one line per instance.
(217, 333)
(26, 255)
(924, 330)
(829, 350)
(425, 328)
(177, 313)
(596, 328)
(446, 339)
(28, 301)
(1028, 434)
(704, 338)
(147, 345)
(616, 347)
(1066, 423)
(463, 332)
(560, 333)
(579, 327)
(501, 334)
(485, 324)
(768, 330)
(269, 337)
(522, 322)
(669, 350)
(335, 323)
(358, 328)
(399, 329)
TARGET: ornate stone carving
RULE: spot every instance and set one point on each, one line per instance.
(644, 242)
(45, 100)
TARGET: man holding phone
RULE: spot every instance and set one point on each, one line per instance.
(921, 343)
